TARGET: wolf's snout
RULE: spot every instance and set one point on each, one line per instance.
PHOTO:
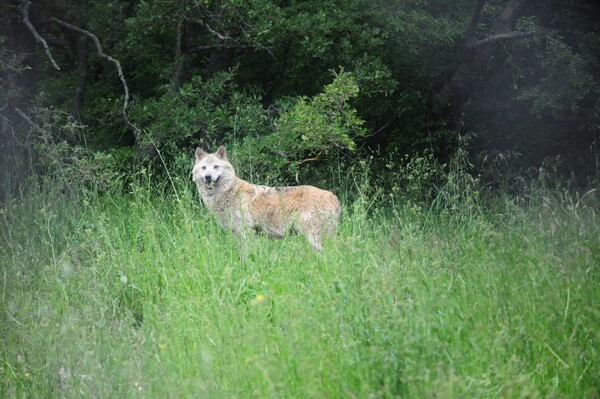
(208, 179)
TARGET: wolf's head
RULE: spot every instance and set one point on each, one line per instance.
(212, 170)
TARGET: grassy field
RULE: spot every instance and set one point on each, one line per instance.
(143, 295)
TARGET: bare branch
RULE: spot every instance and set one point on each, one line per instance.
(228, 42)
(38, 38)
(313, 159)
(500, 37)
(238, 46)
(101, 53)
(28, 119)
(33, 126)
(208, 28)
(214, 46)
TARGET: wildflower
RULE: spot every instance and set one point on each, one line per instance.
(260, 298)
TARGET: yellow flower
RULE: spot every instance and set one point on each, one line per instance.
(163, 346)
(260, 298)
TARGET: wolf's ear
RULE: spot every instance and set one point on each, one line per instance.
(221, 153)
(199, 154)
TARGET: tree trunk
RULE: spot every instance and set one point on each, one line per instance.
(475, 53)
(82, 63)
(18, 89)
(180, 63)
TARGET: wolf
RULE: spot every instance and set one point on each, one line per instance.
(277, 211)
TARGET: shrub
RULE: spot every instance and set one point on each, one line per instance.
(64, 161)
(307, 131)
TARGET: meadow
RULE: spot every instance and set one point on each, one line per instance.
(141, 294)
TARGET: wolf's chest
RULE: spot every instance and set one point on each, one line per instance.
(220, 203)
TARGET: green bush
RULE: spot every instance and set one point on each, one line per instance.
(206, 112)
(64, 162)
(270, 145)
(305, 132)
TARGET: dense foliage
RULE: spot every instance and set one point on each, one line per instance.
(520, 77)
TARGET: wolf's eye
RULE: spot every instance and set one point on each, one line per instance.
(216, 166)
(204, 168)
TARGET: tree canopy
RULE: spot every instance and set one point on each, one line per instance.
(297, 81)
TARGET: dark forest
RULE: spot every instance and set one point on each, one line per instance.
(299, 84)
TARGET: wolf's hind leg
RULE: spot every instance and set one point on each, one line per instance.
(314, 239)
(311, 228)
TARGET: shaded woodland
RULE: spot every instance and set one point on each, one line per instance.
(95, 89)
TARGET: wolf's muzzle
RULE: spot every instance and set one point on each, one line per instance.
(208, 179)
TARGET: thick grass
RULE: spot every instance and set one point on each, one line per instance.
(143, 295)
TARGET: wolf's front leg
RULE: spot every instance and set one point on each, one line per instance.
(241, 241)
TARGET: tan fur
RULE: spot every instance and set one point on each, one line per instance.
(239, 205)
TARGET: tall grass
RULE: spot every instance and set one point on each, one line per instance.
(141, 294)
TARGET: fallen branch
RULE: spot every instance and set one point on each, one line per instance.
(101, 53)
(38, 38)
